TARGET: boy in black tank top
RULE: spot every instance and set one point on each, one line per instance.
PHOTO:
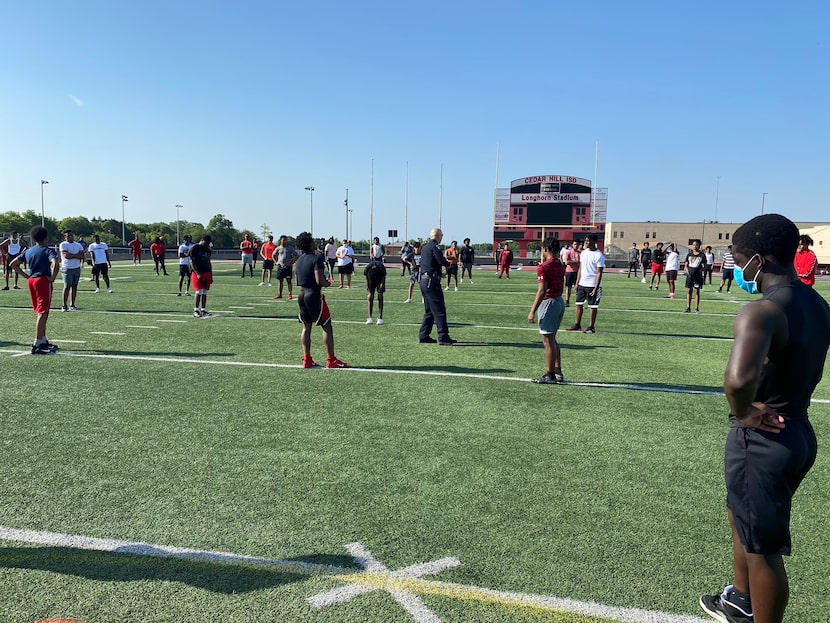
(777, 359)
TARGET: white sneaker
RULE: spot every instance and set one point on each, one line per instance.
(368, 321)
(380, 320)
(109, 290)
(408, 301)
(456, 288)
(462, 280)
(97, 290)
(643, 280)
(447, 288)
(262, 283)
(269, 284)
(471, 282)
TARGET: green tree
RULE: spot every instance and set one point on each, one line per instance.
(222, 232)
(80, 225)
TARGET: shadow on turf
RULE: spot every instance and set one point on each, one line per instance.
(536, 345)
(118, 567)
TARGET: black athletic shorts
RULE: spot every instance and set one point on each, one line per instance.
(763, 471)
(100, 269)
(184, 270)
(267, 264)
(313, 307)
(694, 281)
(346, 269)
(583, 295)
(285, 272)
(570, 279)
(452, 269)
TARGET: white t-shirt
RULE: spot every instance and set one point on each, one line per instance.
(377, 251)
(591, 261)
(183, 249)
(562, 253)
(70, 247)
(344, 254)
(99, 252)
(331, 251)
(672, 260)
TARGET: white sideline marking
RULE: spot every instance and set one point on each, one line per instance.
(470, 375)
(69, 341)
(140, 326)
(401, 584)
(179, 321)
(106, 333)
(238, 307)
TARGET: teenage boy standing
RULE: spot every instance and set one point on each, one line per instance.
(551, 308)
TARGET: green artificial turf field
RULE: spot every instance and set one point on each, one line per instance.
(423, 483)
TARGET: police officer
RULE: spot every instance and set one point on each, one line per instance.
(435, 311)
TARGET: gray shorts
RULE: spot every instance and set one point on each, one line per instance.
(248, 258)
(71, 276)
(550, 313)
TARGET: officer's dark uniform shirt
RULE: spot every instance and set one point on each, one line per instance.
(792, 373)
(432, 259)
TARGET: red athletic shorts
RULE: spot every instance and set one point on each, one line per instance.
(658, 269)
(40, 289)
(203, 283)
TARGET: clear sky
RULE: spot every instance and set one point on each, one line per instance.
(236, 107)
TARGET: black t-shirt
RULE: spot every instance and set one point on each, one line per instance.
(199, 255)
(467, 255)
(658, 256)
(792, 373)
(305, 268)
(645, 256)
(695, 264)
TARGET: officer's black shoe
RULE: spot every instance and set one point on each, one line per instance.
(448, 342)
(428, 340)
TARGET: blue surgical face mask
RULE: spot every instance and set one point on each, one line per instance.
(743, 284)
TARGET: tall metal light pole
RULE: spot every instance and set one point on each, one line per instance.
(310, 190)
(346, 203)
(351, 226)
(763, 201)
(124, 200)
(178, 237)
(42, 212)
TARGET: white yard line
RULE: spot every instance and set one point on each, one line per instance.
(404, 585)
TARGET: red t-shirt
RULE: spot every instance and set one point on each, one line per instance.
(157, 248)
(552, 272)
(268, 250)
(247, 247)
(506, 257)
(135, 245)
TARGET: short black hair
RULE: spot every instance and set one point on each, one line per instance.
(39, 234)
(551, 245)
(207, 238)
(592, 237)
(305, 242)
(769, 234)
(805, 239)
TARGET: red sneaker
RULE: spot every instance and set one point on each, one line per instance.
(279, 296)
(290, 297)
(309, 363)
(335, 363)
(340, 287)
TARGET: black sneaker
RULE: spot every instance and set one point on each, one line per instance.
(546, 379)
(448, 342)
(723, 609)
(206, 314)
(560, 378)
(64, 308)
(197, 313)
(43, 349)
(428, 340)
(590, 330)
(51, 346)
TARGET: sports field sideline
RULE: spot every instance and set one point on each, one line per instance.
(167, 468)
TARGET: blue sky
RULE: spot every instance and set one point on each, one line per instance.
(234, 108)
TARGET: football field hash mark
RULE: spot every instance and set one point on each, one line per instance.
(405, 585)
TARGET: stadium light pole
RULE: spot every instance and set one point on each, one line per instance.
(310, 190)
(178, 237)
(346, 203)
(763, 201)
(42, 211)
(124, 200)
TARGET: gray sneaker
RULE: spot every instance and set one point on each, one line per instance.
(724, 608)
